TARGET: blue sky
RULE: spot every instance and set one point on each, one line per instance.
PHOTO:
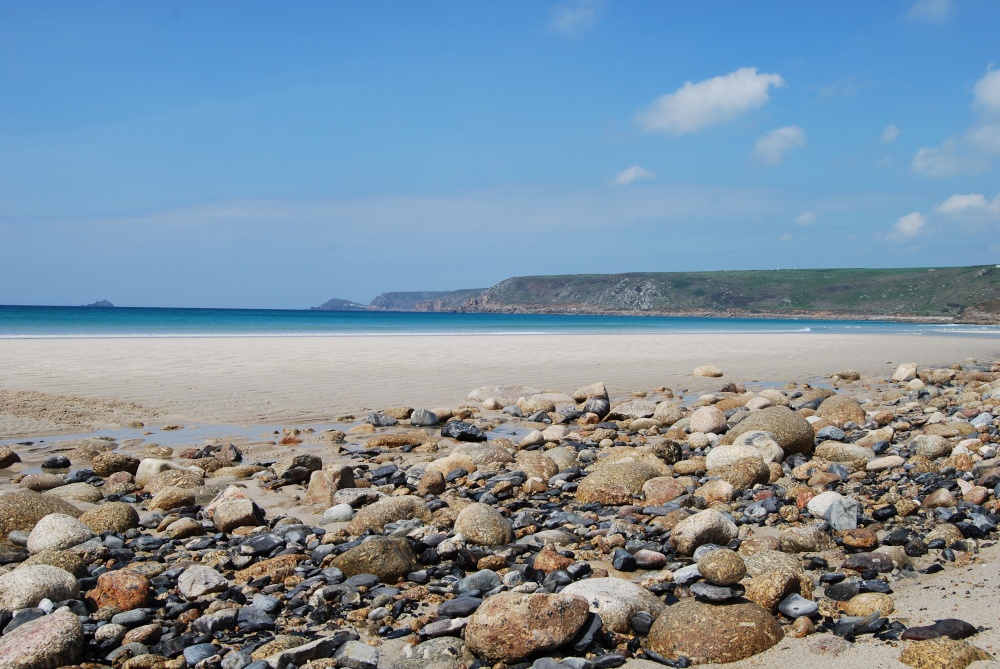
(261, 154)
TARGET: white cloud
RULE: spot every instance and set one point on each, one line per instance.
(975, 150)
(890, 134)
(575, 17)
(950, 159)
(806, 218)
(971, 206)
(907, 227)
(634, 173)
(786, 237)
(772, 148)
(986, 92)
(930, 11)
(696, 105)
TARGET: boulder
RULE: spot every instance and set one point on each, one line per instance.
(840, 409)
(44, 643)
(58, 531)
(21, 510)
(615, 600)
(615, 483)
(483, 525)
(389, 558)
(389, 510)
(23, 588)
(793, 432)
(511, 626)
(704, 527)
(706, 633)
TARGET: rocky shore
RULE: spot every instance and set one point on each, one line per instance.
(520, 528)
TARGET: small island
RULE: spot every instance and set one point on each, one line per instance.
(100, 304)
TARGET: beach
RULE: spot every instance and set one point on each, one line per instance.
(253, 393)
(251, 380)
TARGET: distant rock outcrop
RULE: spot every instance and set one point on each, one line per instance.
(102, 304)
(336, 304)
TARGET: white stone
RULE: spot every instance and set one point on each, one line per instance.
(615, 600)
(197, 580)
(57, 531)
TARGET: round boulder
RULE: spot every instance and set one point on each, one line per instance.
(24, 588)
(389, 510)
(58, 531)
(511, 626)
(722, 567)
(616, 482)
(706, 633)
(704, 527)
(483, 525)
(793, 433)
(389, 558)
(615, 600)
(112, 516)
(708, 419)
(50, 641)
(841, 409)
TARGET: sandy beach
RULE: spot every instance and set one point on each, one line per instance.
(63, 386)
(293, 380)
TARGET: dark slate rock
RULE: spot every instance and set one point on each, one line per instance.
(459, 607)
(706, 592)
(379, 419)
(198, 652)
(462, 431)
(953, 628)
(843, 591)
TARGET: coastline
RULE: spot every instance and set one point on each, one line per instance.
(295, 380)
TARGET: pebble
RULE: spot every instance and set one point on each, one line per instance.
(720, 503)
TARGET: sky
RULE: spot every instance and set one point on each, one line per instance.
(274, 155)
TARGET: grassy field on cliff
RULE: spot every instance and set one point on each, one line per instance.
(939, 291)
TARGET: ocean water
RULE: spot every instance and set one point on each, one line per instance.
(30, 322)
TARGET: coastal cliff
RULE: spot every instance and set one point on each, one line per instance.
(932, 294)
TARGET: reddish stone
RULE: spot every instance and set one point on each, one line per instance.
(288, 441)
(123, 589)
(548, 560)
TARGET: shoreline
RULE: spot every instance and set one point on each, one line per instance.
(295, 380)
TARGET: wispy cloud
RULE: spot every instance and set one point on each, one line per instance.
(907, 227)
(975, 150)
(632, 174)
(575, 17)
(773, 147)
(971, 207)
(806, 218)
(930, 11)
(696, 105)
(890, 134)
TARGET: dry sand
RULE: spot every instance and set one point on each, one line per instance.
(90, 383)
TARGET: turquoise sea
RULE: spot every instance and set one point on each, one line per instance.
(27, 322)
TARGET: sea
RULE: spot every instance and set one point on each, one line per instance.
(37, 322)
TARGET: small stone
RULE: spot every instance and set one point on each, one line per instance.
(709, 371)
(796, 606)
(111, 517)
(615, 600)
(388, 558)
(234, 513)
(867, 603)
(389, 510)
(706, 592)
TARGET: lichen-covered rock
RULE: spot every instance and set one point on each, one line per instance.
(706, 633)
(111, 517)
(722, 567)
(840, 409)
